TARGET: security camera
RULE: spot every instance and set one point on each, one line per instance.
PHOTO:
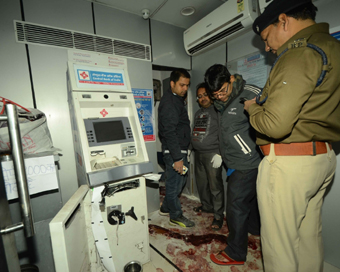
(146, 14)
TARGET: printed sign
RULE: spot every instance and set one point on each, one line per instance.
(144, 106)
(97, 77)
(90, 77)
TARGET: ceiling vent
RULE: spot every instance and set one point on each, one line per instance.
(50, 36)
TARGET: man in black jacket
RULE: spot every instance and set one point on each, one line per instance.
(174, 133)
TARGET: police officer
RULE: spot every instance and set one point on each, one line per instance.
(297, 118)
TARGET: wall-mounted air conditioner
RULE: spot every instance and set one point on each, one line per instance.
(263, 4)
(228, 21)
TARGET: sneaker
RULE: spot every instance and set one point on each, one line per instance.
(162, 212)
(182, 222)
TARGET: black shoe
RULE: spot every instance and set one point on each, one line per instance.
(182, 222)
(162, 212)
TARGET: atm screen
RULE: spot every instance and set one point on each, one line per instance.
(100, 131)
(109, 131)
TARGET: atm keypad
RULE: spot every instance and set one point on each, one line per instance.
(129, 132)
(90, 136)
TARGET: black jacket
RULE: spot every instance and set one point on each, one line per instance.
(173, 125)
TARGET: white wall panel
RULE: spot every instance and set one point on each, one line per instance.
(121, 25)
(14, 72)
(49, 77)
(243, 45)
(68, 14)
(168, 46)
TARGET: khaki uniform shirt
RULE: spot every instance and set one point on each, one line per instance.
(296, 110)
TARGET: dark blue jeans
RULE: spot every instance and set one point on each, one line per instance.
(174, 185)
(242, 212)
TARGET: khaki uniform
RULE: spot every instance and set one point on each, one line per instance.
(295, 110)
(291, 188)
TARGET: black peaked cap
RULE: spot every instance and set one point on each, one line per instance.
(272, 12)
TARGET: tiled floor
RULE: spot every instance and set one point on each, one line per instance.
(176, 249)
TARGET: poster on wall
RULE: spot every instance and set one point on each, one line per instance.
(335, 32)
(254, 68)
(144, 106)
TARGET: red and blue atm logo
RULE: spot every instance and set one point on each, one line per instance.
(98, 77)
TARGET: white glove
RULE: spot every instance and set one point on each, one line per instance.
(188, 156)
(216, 161)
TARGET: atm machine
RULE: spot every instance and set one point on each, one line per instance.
(104, 226)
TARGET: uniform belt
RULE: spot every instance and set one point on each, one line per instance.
(182, 151)
(297, 149)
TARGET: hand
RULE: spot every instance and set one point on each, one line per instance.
(178, 166)
(248, 103)
(216, 161)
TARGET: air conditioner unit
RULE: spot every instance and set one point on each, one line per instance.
(263, 4)
(228, 21)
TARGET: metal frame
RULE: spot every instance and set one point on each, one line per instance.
(8, 251)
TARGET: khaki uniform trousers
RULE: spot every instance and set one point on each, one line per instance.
(290, 196)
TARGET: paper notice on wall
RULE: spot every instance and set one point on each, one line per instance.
(40, 172)
(254, 68)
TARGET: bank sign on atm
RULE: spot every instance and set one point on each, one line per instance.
(99, 77)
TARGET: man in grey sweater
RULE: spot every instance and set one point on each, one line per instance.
(208, 170)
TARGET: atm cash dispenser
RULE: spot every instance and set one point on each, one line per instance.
(105, 224)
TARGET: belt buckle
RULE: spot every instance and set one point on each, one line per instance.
(314, 148)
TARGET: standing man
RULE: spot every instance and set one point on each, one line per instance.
(296, 124)
(239, 153)
(174, 133)
(208, 170)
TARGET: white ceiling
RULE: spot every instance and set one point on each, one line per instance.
(167, 11)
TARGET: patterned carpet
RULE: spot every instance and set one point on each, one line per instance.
(188, 249)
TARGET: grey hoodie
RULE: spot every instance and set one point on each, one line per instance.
(237, 137)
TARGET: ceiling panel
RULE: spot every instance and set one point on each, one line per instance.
(167, 11)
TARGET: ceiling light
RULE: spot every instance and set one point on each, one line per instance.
(187, 11)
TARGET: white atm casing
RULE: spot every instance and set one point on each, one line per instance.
(109, 150)
(100, 162)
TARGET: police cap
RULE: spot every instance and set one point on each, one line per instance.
(272, 12)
